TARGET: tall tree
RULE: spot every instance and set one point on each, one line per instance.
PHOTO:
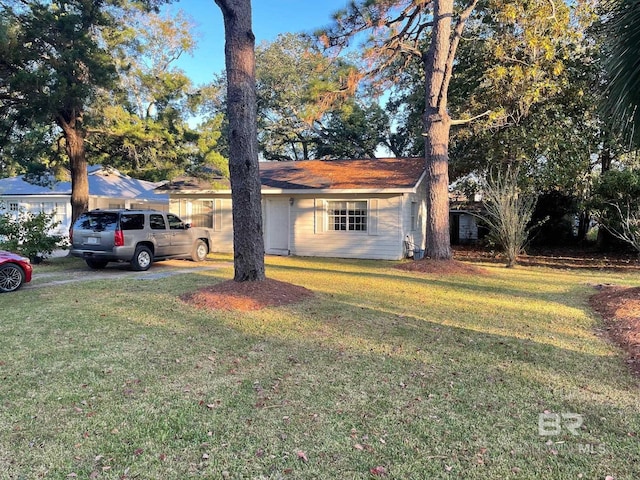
(533, 67)
(429, 31)
(297, 87)
(52, 58)
(142, 124)
(248, 241)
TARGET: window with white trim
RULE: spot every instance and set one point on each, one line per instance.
(347, 216)
(13, 206)
(414, 216)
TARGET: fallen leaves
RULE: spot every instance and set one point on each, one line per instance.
(378, 471)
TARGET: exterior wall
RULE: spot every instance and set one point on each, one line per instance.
(467, 228)
(414, 219)
(383, 239)
(207, 211)
(389, 221)
(59, 205)
(130, 203)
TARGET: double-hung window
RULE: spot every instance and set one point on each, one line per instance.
(347, 216)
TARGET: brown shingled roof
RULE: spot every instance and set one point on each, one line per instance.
(376, 173)
(359, 174)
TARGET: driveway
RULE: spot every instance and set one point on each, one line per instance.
(161, 269)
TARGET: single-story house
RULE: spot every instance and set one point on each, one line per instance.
(365, 208)
(108, 188)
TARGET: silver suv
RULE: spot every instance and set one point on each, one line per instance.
(135, 236)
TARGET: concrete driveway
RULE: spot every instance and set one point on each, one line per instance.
(161, 269)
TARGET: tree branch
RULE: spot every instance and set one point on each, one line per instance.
(464, 121)
(457, 34)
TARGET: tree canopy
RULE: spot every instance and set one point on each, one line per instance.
(49, 75)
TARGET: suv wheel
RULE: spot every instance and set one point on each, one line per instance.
(142, 259)
(96, 264)
(200, 251)
(11, 277)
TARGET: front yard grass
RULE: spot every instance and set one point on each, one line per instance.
(383, 374)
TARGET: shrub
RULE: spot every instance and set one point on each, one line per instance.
(508, 213)
(28, 234)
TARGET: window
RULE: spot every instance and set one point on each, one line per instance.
(202, 213)
(347, 216)
(97, 221)
(132, 221)
(13, 206)
(156, 222)
(414, 216)
(174, 222)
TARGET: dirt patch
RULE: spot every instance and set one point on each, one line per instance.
(620, 309)
(442, 267)
(246, 296)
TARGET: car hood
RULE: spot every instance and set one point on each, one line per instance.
(5, 255)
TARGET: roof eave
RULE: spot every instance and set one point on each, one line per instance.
(339, 191)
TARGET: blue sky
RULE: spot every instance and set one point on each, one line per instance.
(270, 17)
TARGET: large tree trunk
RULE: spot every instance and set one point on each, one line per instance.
(74, 139)
(437, 125)
(248, 241)
(438, 242)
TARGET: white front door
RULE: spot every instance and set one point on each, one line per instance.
(277, 226)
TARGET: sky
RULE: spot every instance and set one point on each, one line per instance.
(270, 18)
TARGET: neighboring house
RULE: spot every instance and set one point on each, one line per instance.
(108, 188)
(369, 208)
(463, 217)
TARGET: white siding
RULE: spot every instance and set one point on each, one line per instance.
(382, 240)
(468, 228)
(388, 224)
(59, 205)
(415, 232)
(222, 231)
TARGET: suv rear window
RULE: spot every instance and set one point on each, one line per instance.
(97, 221)
(132, 221)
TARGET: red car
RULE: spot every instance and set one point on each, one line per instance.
(14, 271)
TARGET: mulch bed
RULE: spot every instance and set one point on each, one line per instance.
(620, 309)
(246, 296)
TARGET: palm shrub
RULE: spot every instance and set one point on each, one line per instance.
(622, 30)
(28, 234)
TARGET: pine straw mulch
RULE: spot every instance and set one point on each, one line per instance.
(620, 309)
(245, 296)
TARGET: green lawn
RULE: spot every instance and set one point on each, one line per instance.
(414, 376)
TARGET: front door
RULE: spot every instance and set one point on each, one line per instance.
(277, 226)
